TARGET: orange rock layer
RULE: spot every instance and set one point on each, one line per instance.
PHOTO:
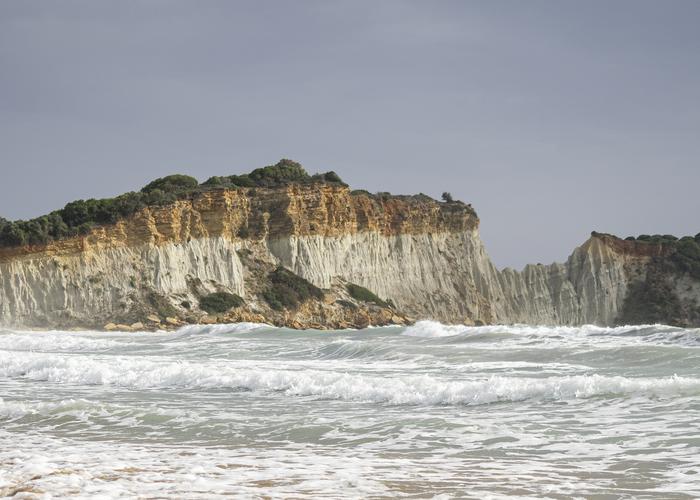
(257, 213)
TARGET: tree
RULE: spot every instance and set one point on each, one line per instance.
(12, 235)
(447, 197)
(332, 177)
(281, 173)
(75, 213)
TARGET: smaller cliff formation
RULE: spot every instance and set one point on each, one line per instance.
(609, 281)
(281, 246)
(665, 288)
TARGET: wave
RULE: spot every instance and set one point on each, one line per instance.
(53, 342)
(219, 329)
(66, 410)
(63, 341)
(435, 329)
(416, 390)
(19, 409)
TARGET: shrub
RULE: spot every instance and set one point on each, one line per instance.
(447, 197)
(332, 177)
(161, 305)
(281, 173)
(13, 235)
(358, 192)
(651, 301)
(214, 181)
(362, 294)
(289, 290)
(687, 257)
(172, 184)
(346, 303)
(220, 302)
(84, 228)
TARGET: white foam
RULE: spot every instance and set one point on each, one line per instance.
(429, 329)
(426, 389)
(53, 342)
(19, 409)
(244, 327)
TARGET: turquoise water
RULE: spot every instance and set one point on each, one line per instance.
(426, 411)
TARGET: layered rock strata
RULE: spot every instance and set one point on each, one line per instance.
(423, 256)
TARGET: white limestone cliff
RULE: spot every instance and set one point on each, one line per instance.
(431, 265)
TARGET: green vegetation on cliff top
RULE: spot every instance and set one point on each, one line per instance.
(683, 255)
(79, 217)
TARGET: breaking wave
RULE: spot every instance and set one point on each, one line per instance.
(220, 329)
(53, 342)
(415, 390)
(656, 333)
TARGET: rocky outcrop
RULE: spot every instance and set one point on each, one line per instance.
(423, 256)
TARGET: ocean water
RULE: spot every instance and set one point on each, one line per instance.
(428, 411)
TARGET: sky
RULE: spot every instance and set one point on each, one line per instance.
(553, 118)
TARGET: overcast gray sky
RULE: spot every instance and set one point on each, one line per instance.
(554, 118)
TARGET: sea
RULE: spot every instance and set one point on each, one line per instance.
(425, 411)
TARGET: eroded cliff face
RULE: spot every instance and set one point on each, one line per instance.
(156, 265)
(590, 288)
(425, 257)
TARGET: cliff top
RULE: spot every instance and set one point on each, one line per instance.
(677, 254)
(79, 218)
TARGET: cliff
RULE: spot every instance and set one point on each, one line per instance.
(420, 258)
(155, 266)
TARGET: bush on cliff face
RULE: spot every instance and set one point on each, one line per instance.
(160, 304)
(220, 302)
(652, 300)
(687, 257)
(288, 290)
(362, 294)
